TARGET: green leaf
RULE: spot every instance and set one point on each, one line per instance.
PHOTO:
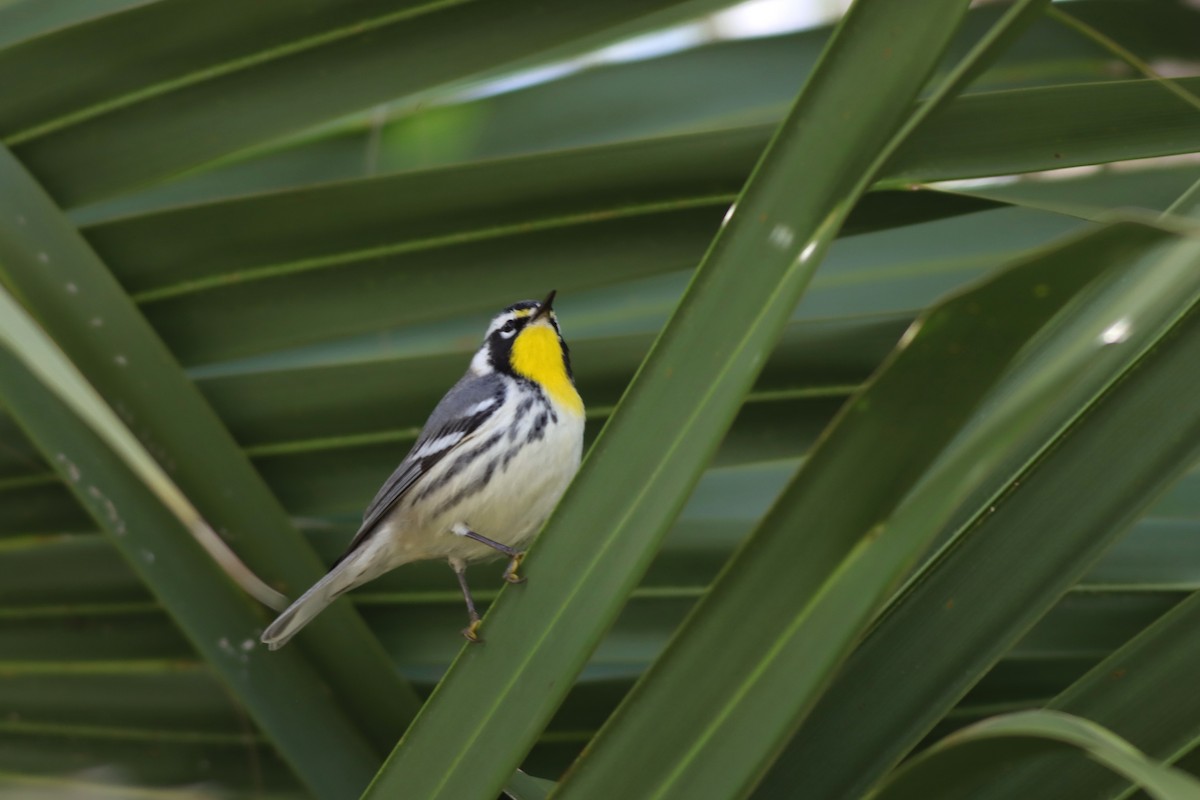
(1135, 692)
(855, 552)
(966, 762)
(772, 673)
(588, 561)
(133, 38)
(326, 261)
(21, 20)
(989, 584)
(237, 78)
(526, 787)
(38, 757)
(36, 786)
(42, 359)
(49, 267)
(1022, 130)
(95, 672)
(712, 86)
(218, 620)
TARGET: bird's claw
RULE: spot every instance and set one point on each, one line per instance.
(510, 572)
(471, 632)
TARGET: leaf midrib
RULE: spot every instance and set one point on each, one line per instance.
(219, 70)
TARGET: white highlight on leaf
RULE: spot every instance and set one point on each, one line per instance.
(1117, 332)
(808, 251)
(909, 334)
(72, 470)
(782, 236)
(110, 510)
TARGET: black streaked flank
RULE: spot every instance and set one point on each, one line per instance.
(522, 409)
(538, 429)
(460, 463)
(474, 487)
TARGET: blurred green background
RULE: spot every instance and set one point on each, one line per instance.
(316, 206)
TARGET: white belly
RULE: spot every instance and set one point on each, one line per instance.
(518, 488)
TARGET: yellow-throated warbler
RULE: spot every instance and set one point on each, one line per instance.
(491, 463)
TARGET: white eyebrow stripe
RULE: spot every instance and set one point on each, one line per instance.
(482, 405)
(439, 444)
(499, 321)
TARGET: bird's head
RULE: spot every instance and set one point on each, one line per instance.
(524, 341)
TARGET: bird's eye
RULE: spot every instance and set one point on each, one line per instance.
(508, 328)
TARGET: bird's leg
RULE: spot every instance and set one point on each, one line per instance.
(515, 556)
(460, 569)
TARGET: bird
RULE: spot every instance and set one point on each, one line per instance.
(490, 464)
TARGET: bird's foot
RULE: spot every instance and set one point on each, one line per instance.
(510, 572)
(471, 632)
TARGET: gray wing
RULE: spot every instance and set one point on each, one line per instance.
(468, 404)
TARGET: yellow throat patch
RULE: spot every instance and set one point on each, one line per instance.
(537, 355)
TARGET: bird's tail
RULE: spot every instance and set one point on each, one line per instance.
(311, 603)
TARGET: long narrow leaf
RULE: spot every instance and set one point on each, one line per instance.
(1043, 128)
(284, 696)
(966, 762)
(771, 672)
(325, 261)
(50, 268)
(712, 86)
(1135, 692)
(526, 787)
(995, 580)
(43, 359)
(539, 636)
(150, 132)
(814, 594)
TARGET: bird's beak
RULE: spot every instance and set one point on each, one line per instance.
(545, 307)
